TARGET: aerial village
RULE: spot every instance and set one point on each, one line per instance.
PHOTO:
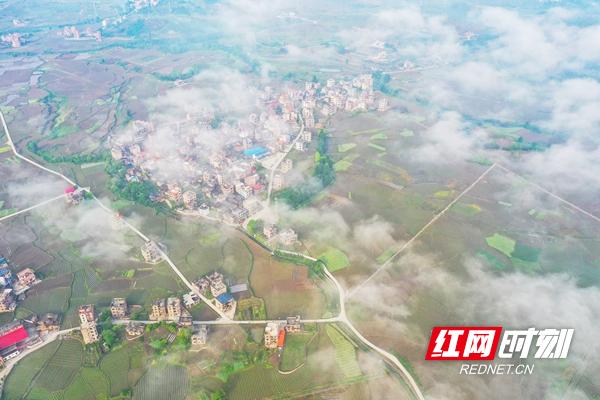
(30, 332)
(231, 183)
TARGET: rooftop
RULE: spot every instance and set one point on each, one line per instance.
(224, 298)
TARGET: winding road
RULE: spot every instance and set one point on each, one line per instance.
(341, 318)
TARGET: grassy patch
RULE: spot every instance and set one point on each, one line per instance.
(526, 253)
(443, 194)
(342, 166)
(407, 133)
(377, 147)
(379, 136)
(294, 352)
(335, 259)
(23, 373)
(386, 255)
(502, 243)
(342, 148)
(163, 382)
(466, 209)
(345, 353)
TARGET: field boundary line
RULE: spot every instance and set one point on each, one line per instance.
(421, 231)
(553, 195)
(43, 203)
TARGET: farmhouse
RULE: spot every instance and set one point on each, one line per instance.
(226, 303)
(26, 277)
(151, 252)
(7, 301)
(118, 308)
(271, 334)
(199, 335)
(293, 324)
(173, 309)
(49, 322)
(134, 330)
(6, 278)
(159, 310)
(88, 328)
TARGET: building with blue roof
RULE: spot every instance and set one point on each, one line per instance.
(256, 152)
(224, 298)
(226, 304)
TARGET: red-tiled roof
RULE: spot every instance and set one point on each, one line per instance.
(281, 338)
(15, 336)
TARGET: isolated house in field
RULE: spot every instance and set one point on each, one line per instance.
(151, 252)
(199, 335)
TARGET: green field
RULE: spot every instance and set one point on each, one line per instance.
(503, 244)
(163, 382)
(377, 147)
(294, 352)
(335, 259)
(466, 209)
(379, 136)
(345, 353)
(386, 255)
(342, 148)
(342, 166)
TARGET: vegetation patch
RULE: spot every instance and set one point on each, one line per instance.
(386, 255)
(379, 136)
(443, 194)
(335, 259)
(377, 147)
(163, 382)
(345, 353)
(342, 166)
(466, 209)
(342, 148)
(502, 243)
(294, 352)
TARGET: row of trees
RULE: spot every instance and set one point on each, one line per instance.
(72, 158)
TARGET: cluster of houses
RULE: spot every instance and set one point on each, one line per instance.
(18, 335)
(275, 332)
(222, 298)
(286, 237)
(225, 178)
(13, 288)
(169, 309)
